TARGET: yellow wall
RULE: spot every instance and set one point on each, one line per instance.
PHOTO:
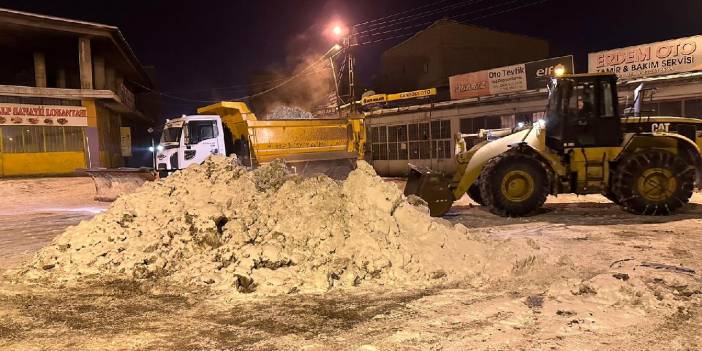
(38, 163)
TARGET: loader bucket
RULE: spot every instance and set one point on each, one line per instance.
(110, 183)
(431, 187)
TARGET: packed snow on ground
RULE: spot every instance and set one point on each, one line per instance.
(266, 231)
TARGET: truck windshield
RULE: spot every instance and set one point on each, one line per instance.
(171, 135)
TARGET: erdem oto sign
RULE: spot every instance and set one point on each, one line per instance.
(508, 79)
(665, 57)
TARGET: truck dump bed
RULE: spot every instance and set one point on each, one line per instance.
(322, 145)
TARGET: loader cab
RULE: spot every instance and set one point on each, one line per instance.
(583, 112)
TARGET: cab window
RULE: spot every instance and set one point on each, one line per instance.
(201, 130)
(607, 105)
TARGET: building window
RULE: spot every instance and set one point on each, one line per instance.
(670, 108)
(379, 143)
(417, 141)
(397, 142)
(419, 147)
(23, 139)
(441, 139)
(475, 124)
(693, 108)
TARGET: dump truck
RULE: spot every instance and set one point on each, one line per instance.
(647, 165)
(310, 146)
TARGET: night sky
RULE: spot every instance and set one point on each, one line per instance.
(199, 45)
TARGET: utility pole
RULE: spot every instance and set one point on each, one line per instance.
(336, 86)
(352, 91)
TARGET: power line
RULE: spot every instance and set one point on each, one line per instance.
(508, 10)
(454, 17)
(413, 17)
(423, 24)
(399, 13)
(290, 79)
(282, 83)
(241, 87)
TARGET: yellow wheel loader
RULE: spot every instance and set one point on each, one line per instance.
(581, 147)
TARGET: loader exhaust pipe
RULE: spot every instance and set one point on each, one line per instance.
(432, 187)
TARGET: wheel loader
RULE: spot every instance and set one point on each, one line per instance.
(582, 146)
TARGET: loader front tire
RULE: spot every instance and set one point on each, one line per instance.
(653, 182)
(513, 184)
(474, 194)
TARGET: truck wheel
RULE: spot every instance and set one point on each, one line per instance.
(653, 182)
(474, 194)
(513, 185)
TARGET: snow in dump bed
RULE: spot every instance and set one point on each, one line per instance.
(265, 231)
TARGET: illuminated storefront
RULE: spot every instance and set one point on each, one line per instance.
(66, 99)
(506, 96)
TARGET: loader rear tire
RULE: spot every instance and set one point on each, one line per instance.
(653, 182)
(514, 184)
(474, 194)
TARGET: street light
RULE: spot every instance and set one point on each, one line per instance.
(337, 31)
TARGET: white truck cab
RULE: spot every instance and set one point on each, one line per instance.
(189, 140)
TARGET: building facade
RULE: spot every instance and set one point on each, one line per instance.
(448, 48)
(423, 134)
(72, 95)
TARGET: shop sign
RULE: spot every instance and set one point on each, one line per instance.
(373, 99)
(509, 79)
(125, 134)
(660, 58)
(412, 94)
(43, 115)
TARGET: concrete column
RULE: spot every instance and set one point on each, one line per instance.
(99, 72)
(110, 78)
(85, 64)
(61, 78)
(39, 70)
(92, 134)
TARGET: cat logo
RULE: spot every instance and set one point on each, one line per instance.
(660, 127)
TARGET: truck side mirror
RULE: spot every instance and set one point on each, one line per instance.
(186, 134)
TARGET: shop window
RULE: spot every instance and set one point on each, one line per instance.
(12, 139)
(20, 139)
(670, 108)
(392, 151)
(382, 152)
(441, 149)
(74, 138)
(693, 108)
(475, 124)
(53, 139)
(397, 142)
(424, 150)
(413, 132)
(33, 139)
(414, 150)
(423, 131)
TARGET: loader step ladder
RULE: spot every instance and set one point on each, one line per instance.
(595, 172)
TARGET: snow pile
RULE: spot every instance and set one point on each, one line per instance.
(220, 225)
(289, 112)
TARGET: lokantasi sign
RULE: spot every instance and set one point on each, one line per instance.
(664, 57)
(509, 79)
(43, 115)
